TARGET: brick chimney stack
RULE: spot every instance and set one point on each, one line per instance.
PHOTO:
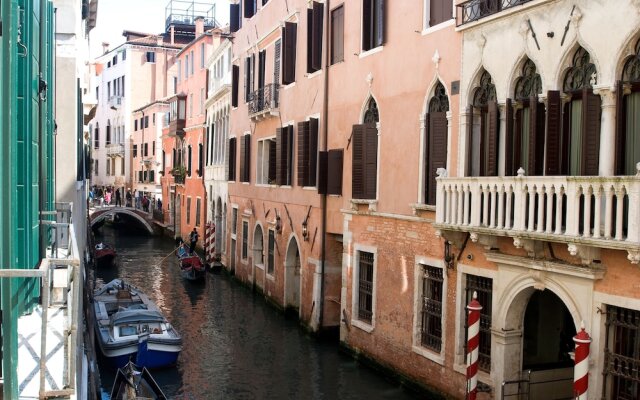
(199, 26)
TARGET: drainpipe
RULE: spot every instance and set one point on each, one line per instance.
(325, 136)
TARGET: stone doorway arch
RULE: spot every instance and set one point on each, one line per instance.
(292, 268)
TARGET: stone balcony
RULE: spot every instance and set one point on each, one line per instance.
(115, 101)
(115, 149)
(588, 213)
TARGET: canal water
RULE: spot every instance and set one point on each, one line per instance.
(235, 345)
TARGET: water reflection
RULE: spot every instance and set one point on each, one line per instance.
(235, 346)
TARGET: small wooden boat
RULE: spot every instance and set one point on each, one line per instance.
(104, 255)
(191, 266)
(134, 383)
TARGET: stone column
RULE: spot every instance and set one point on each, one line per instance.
(607, 130)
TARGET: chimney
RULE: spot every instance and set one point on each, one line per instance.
(199, 26)
(159, 40)
(172, 35)
(105, 47)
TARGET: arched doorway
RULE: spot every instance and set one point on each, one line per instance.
(292, 277)
(546, 344)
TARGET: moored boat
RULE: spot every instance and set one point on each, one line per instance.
(104, 255)
(133, 382)
(130, 327)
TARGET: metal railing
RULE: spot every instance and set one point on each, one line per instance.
(474, 10)
(263, 100)
(530, 387)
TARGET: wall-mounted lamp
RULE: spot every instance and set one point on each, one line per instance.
(448, 257)
(305, 231)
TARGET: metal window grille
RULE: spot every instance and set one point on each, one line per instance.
(431, 329)
(271, 257)
(622, 354)
(245, 234)
(365, 286)
(484, 288)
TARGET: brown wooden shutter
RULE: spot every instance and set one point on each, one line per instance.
(316, 43)
(469, 169)
(508, 139)
(242, 158)
(621, 138)
(272, 163)
(290, 151)
(533, 130)
(277, 57)
(438, 133)
(231, 160)
(380, 22)
(323, 166)
(310, 68)
(554, 134)
(289, 56)
(247, 158)
(426, 156)
(279, 160)
(303, 152)
(334, 171)
(370, 161)
(492, 139)
(591, 110)
(357, 167)
(235, 75)
(313, 151)
(234, 17)
(247, 79)
(249, 8)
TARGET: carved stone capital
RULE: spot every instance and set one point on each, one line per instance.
(607, 94)
(633, 256)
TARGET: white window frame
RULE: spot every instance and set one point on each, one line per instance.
(426, 15)
(417, 347)
(262, 161)
(365, 326)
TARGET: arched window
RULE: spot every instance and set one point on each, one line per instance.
(574, 148)
(482, 129)
(437, 129)
(96, 137)
(525, 118)
(628, 116)
(108, 137)
(365, 154)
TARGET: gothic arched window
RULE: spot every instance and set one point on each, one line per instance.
(437, 131)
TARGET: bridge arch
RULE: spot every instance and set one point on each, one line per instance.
(99, 215)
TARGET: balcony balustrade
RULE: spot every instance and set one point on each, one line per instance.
(115, 149)
(264, 102)
(474, 10)
(594, 211)
(115, 101)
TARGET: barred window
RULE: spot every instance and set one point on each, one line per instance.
(483, 287)
(270, 256)
(431, 329)
(365, 286)
(622, 354)
(245, 245)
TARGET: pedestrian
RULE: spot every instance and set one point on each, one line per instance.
(118, 198)
(145, 203)
(107, 197)
(159, 204)
(193, 237)
(129, 198)
(100, 196)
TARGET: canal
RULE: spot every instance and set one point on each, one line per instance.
(235, 345)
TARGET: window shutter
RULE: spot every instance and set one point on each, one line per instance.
(334, 171)
(249, 8)
(276, 62)
(533, 130)
(231, 159)
(310, 68)
(538, 169)
(313, 151)
(371, 161)
(426, 156)
(282, 155)
(337, 35)
(252, 76)
(243, 144)
(289, 69)
(200, 160)
(247, 78)
(367, 25)
(189, 169)
(262, 56)
(289, 147)
(272, 162)
(357, 166)
(591, 108)
(316, 43)
(380, 14)
(620, 130)
(235, 75)
(323, 166)
(469, 171)
(234, 17)
(509, 166)
(247, 158)
(492, 139)
(517, 142)
(303, 153)
(438, 133)
(554, 132)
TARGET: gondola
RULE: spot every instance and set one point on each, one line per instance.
(132, 382)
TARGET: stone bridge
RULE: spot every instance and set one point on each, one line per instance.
(97, 215)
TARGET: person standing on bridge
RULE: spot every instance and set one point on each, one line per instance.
(128, 198)
(193, 237)
(118, 198)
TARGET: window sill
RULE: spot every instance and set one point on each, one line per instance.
(421, 207)
(266, 185)
(271, 277)
(438, 27)
(260, 266)
(337, 62)
(314, 74)
(367, 53)
(309, 188)
(362, 325)
(289, 86)
(373, 204)
(429, 354)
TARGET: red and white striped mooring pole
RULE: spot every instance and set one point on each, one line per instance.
(473, 342)
(209, 242)
(581, 369)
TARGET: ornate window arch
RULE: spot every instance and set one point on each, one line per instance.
(529, 83)
(485, 91)
(482, 129)
(627, 111)
(371, 115)
(364, 183)
(582, 74)
(436, 141)
(631, 70)
(440, 101)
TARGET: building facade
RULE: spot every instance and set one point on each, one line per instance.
(218, 107)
